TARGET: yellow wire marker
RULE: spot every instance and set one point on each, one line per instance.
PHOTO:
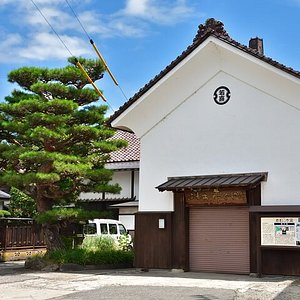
(103, 61)
(79, 65)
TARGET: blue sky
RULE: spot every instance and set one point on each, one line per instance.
(138, 38)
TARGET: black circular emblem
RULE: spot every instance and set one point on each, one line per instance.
(222, 95)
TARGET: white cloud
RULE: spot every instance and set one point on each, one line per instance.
(9, 46)
(59, 19)
(163, 12)
(137, 7)
(110, 26)
(46, 46)
(38, 42)
(42, 46)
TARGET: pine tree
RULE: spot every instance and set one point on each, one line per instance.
(54, 142)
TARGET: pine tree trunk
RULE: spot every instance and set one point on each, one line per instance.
(52, 237)
(51, 231)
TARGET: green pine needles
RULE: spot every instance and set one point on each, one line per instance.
(54, 142)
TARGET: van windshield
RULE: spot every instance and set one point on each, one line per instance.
(90, 228)
(122, 229)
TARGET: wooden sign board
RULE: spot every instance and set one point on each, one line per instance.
(216, 197)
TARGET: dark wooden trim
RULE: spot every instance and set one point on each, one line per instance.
(216, 205)
(21, 235)
(152, 244)
(279, 261)
(127, 214)
(253, 242)
(180, 233)
(258, 247)
(132, 184)
(280, 248)
(187, 240)
(254, 196)
(275, 208)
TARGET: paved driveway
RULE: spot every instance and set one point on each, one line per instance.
(18, 283)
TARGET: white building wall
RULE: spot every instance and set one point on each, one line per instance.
(128, 221)
(123, 178)
(256, 131)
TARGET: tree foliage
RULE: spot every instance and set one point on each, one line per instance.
(63, 214)
(4, 213)
(54, 141)
(21, 205)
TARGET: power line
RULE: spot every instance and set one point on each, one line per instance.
(41, 13)
(75, 15)
(77, 62)
(97, 51)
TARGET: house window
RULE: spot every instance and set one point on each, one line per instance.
(280, 231)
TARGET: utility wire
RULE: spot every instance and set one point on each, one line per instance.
(75, 15)
(97, 51)
(41, 13)
(77, 62)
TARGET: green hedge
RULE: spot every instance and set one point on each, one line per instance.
(87, 257)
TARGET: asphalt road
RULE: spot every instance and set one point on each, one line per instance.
(17, 283)
(153, 292)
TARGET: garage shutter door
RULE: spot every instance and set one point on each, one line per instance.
(219, 240)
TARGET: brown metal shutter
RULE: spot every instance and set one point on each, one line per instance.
(219, 240)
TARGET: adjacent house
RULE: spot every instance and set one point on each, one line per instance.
(219, 168)
(4, 199)
(125, 164)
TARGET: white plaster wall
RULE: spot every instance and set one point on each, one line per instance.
(253, 132)
(141, 116)
(128, 210)
(186, 133)
(128, 221)
(123, 178)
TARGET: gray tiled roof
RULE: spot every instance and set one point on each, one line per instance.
(131, 152)
(127, 204)
(212, 181)
(4, 195)
(123, 165)
(100, 199)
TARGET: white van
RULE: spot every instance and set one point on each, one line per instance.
(104, 227)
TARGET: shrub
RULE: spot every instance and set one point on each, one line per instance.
(99, 243)
(125, 243)
(68, 242)
(86, 257)
(97, 250)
